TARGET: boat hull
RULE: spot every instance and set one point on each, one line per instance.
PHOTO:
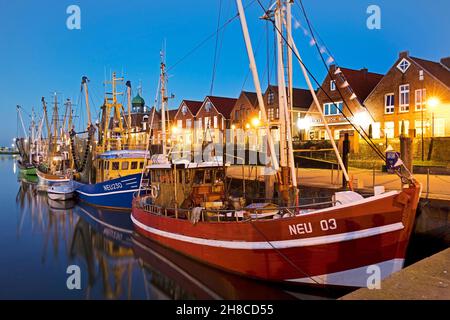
(116, 193)
(51, 179)
(339, 246)
(60, 196)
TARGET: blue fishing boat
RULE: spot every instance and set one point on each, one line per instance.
(119, 173)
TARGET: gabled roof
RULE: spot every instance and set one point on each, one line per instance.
(302, 97)
(361, 81)
(223, 105)
(251, 96)
(193, 105)
(434, 68)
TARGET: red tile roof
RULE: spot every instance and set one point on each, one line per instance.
(435, 68)
(223, 105)
(193, 105)
(252, 97)
(302, 97)
(361, 81)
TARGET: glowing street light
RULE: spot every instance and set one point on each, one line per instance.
(247, 126)
(233, 127)
(433, 102)
(304, 123)
(362, 119)
(255, 122)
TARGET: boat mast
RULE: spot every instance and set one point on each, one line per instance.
(84, 81)
(128, 84)
(110, 103)
(163, 103)
(32, 129)
(55, 124)
(257, 84)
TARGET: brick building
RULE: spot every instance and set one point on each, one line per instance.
(339, 98)
(413, 95)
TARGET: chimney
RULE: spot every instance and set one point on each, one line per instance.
(332, 68)
(404, 54)
(364, 72)
(445, 62)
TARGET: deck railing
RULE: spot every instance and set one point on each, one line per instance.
(224, 215)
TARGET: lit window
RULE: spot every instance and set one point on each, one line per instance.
(403, 65)
(389, 129)
(376, 130)
(439, 128)
(330, 109)
(332, 85)
(421, 75)
(207, 124)
(134, 165)
(270, 98)
(404, 97)
(389, 103)
(270, 113)
(125, 165)
(421, 97)
(188, 123)
(179, 123)
(208, 106)
(406, 129)
(184, 110)
(215, 122)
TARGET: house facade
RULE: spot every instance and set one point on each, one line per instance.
(340, 98)
(413, 98)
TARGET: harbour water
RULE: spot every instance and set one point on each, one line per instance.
(41, 239)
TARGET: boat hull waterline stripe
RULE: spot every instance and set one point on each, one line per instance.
(279, 244)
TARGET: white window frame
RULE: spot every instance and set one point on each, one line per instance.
(420, 98)
(403, 65)
(404, 94)
(389, 109)
(215, 121)
(327, 108)
(188, 123)
(332, 85)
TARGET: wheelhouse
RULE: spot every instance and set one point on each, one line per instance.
(115, 164)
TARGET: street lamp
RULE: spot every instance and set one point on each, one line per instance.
(304, 124)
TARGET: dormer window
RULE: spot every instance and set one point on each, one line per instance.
(208, 106)
(403, 65)
(332, 85)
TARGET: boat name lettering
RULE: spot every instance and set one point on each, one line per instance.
(112, 186)
(303, 228)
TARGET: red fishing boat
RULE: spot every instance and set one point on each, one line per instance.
(343, 241)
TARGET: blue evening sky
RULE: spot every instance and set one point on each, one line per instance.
(39, 55)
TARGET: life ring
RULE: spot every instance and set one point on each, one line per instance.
(154, 192)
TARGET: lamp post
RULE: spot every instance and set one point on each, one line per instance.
(432, 103)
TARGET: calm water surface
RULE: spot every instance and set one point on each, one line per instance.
(41, 238)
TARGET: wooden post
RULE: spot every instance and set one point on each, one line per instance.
(406, 152)
(345, 152)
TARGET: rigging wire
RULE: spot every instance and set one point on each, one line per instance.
(366, 135)
(378, 152)
(201, 43)
(215, 49)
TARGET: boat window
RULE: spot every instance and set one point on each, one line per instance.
(125, 165)
(141, 165)
(187, 176)
(180, 176)
(115, 165)
(207, 176)
(198, 178)
(134, 165)
(106, 165)
(219, 176)
(100, 164)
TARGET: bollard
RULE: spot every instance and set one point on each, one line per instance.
(406, 152)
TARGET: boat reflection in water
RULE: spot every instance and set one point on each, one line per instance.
(117, 263)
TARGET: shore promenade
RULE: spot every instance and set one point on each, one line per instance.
(435, 187)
